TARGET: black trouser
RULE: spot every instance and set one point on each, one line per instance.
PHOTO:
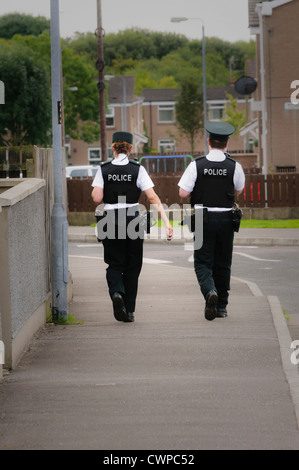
(124, 258)
(212, 262)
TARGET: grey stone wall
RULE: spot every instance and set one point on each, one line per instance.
(27, 258)
(24, 264)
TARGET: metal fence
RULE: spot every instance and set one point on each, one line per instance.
(166, 163)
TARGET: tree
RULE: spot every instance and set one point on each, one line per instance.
(189, 110)
(81, 107)
(156, 55)
(26, 116)
(233, 115)
(81, 98)
(84, 44)
(140, 44)
(17, 23)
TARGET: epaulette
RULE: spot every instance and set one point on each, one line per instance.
(135, 162)
(199, 158)
(229, 157)
(105, 163)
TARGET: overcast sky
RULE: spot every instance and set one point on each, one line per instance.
(225, 19)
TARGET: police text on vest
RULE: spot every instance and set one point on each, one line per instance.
(215, 172)
(119, 178)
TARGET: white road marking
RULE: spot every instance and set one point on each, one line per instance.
(88, 245)
(245, 246)
(145, 260)
(189, 247)
(257, 259)
(156, 261)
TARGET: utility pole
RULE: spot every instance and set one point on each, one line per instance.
(100, 65)
(59, 225)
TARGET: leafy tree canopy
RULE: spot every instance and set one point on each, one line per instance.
(157, 60)
(189, 110)
(81, 108)
(25, 118)
(166, 55)
(81, 98)
(17, 23)
(234, 116)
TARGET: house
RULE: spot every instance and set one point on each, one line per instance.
(124, 112)
(151, 119)
(160, 121)
(275, 24)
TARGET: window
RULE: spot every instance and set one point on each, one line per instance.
(166, 146)
(216, 111)
(110, 114)
(166, 113)
(94, 156)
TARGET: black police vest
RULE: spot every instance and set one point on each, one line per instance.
(121, 181)
(214, 186)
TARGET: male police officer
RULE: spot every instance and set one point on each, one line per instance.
(119, 184)
(213, 182)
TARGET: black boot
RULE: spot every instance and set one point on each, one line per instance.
(211, 306)
(130, 318)
(119, 309)
(221, 313)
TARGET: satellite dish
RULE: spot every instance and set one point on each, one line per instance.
(246, 85)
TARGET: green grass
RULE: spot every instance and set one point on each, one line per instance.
(254, 223)
(275, 223)
(250, 223)
(69, 320)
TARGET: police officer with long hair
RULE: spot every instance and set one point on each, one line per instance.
(119, 184)
(213, 182)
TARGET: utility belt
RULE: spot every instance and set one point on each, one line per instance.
(235, 215)
(120, 218)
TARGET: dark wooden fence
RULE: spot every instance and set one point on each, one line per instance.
(279, 190)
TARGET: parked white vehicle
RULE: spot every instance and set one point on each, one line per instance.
(80, 171)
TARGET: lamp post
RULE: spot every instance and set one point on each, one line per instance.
(59, 224)
(179, 20)
(101, 83)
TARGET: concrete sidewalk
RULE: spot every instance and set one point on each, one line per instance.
(246, 236)
(169, 381)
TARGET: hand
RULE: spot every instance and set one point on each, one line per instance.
(169, 232)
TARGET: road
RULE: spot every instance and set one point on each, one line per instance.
(273, 269)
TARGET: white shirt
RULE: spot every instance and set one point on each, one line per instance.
(187, 182)
(143, 182)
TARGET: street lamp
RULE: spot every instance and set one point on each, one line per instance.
(179, 20)
(59, 224)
